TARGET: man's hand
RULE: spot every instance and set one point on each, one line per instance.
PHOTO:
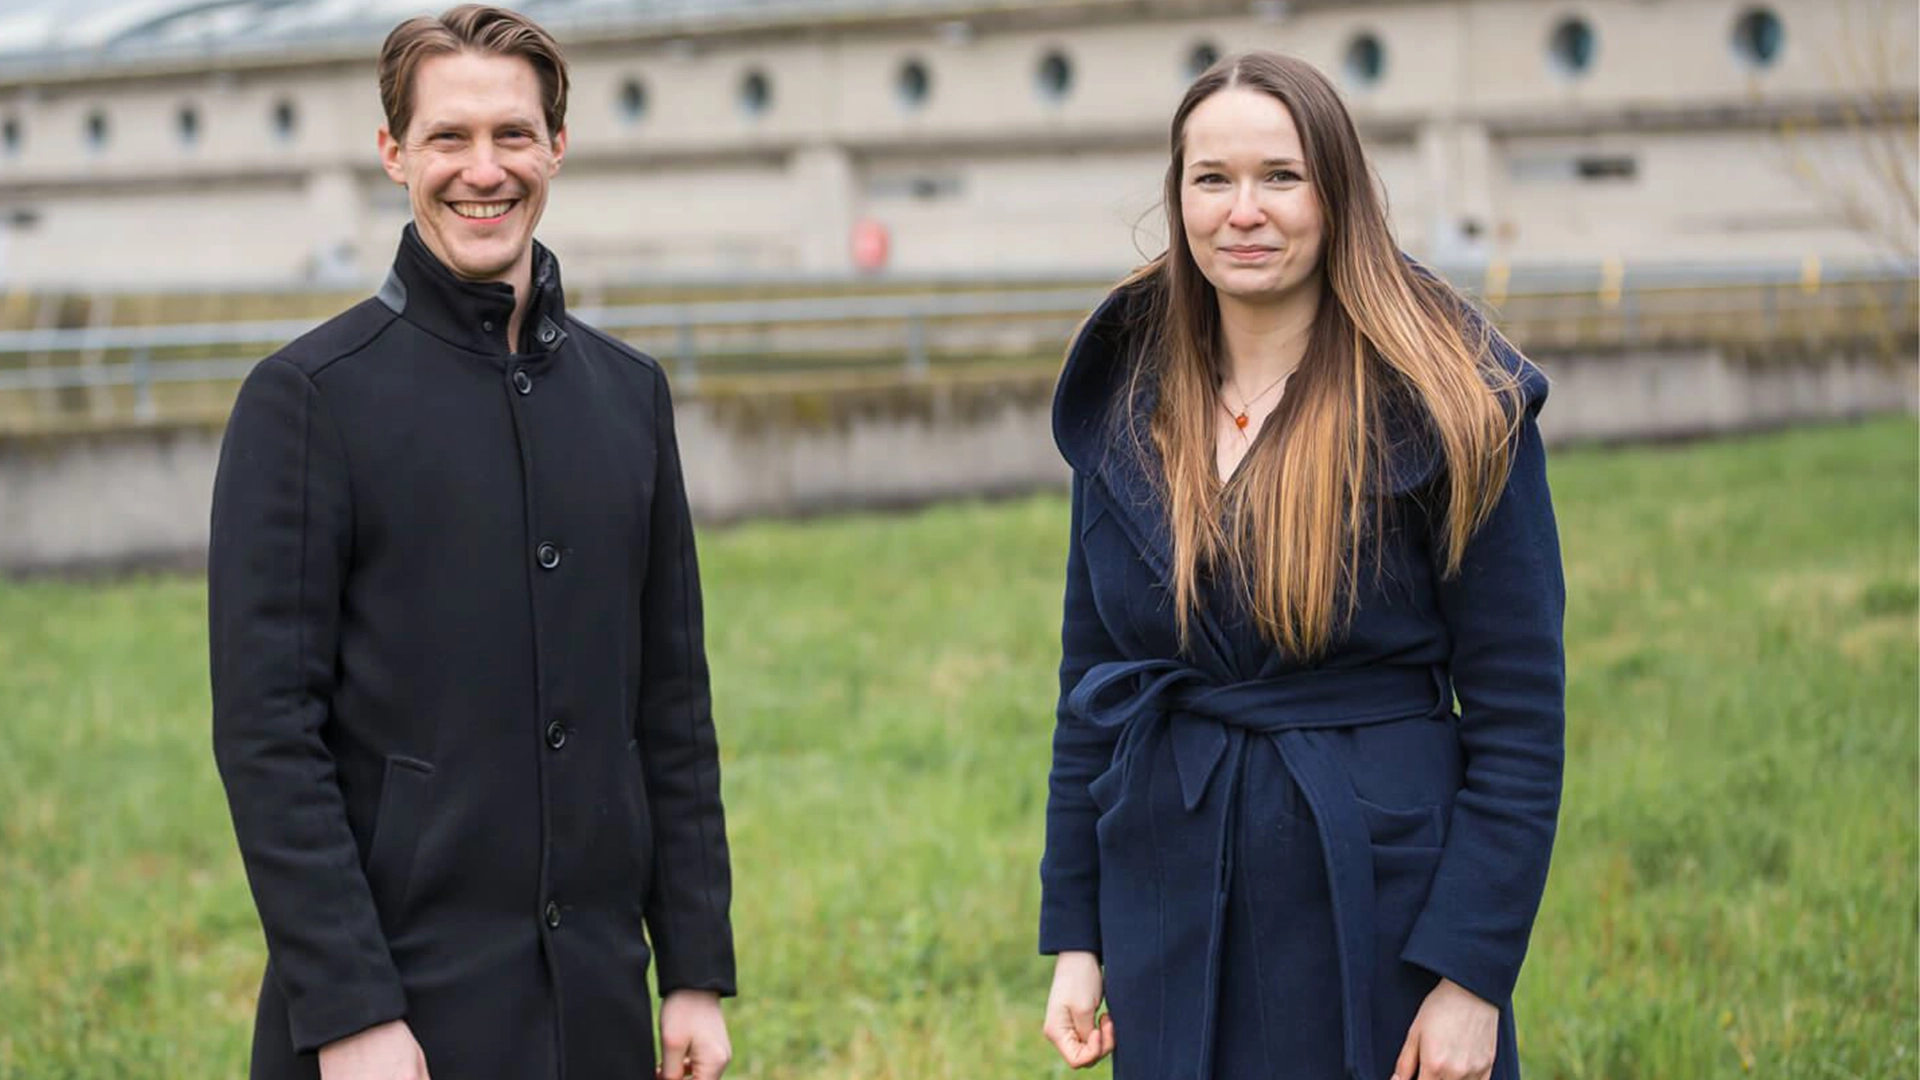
(1453, 1037)
(693, 1037)
(1072, 1006)
(382, 1052)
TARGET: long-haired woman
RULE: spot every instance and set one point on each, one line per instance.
(1310, 515)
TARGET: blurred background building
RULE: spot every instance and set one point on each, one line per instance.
(224, 142)
(860, 232)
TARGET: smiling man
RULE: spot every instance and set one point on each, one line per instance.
(459, 686)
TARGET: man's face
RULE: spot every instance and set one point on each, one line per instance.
(476, 158)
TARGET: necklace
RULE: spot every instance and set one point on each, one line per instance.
(1239, 421)
(1241, 418)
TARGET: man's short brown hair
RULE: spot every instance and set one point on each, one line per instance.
(477, 28)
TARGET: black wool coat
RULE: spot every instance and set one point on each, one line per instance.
(460, 699)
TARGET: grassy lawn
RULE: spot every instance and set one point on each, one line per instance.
(1734, 891)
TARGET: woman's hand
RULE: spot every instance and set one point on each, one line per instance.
(1452, 1038)
(1072, 1008)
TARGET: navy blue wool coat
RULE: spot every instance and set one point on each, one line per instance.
(1276, 860)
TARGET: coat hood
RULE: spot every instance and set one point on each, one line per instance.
(1092, 392)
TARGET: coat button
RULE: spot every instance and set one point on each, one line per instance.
(553, 915)
(522, 381)
(549, 556)
(547, 334)
(556, 734)
(487, 326)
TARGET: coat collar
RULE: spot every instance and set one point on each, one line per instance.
(473, 315)
(1092, 415)
(1101, 431)
(1093, 384)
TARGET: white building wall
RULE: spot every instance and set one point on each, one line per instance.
(1476, 133)
(649, 219)
(1729, 196)
(170, 234)
(1017, 211)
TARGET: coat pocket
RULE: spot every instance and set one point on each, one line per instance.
(1406, 848)
(1122, 835)
(404, 796)
(1402, 877)
(1419, 827)
(1105, 788)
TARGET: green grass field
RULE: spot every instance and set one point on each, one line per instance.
(1734, 891)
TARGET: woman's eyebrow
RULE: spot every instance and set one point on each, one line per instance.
(1213, 163)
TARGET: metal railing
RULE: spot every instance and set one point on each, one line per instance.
(49, 377)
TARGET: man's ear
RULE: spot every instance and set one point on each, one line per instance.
(390, 156)
(559, 149)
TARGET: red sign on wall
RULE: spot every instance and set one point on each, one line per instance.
(870, 244)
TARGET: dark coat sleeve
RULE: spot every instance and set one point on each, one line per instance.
(1070, 867)
(1504, 615)
(278, 553)
(686, 914)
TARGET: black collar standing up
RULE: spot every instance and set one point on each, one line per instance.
(474, 315)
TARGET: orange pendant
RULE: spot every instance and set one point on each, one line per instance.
(1241, 421)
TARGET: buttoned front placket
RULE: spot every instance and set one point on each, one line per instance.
(535, 520)
(547, 569)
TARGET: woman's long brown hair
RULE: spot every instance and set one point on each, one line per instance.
(1288, 531)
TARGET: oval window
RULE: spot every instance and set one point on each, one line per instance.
(1573, 45)
(1054, 76)
(1758, 37)
(632, 100)
(913, 85)
(756, 93)
(1366, 60)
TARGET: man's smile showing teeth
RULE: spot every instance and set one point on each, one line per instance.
(482, 210)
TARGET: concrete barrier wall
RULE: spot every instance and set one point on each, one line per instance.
(106, 499)
(140, 496)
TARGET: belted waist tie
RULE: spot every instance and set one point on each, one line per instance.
(1208, 723)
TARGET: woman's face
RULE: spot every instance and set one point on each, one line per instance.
(1252, 218)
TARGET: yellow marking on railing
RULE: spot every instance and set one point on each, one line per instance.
(1810, 274)
(1499, 275)
(1613, 276)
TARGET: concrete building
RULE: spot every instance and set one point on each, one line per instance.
(220, 142)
